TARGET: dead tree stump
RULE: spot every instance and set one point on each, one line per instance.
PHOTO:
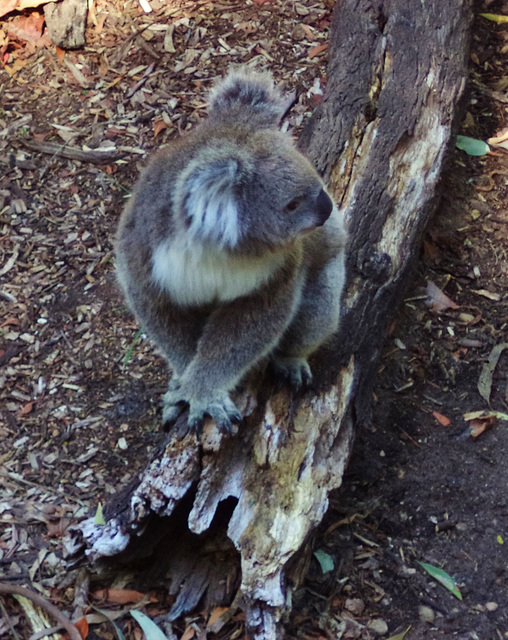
(227, 514)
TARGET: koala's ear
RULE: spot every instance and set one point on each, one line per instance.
(209, 201)
(248, 96)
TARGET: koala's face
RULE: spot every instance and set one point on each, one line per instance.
(256, 194)
(283, 198)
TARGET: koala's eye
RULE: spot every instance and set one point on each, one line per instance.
(293, 204)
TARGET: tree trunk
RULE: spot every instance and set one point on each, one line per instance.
(236, 509)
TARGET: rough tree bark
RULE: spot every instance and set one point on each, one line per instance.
(227, 514)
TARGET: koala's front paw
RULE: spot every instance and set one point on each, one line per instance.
(296, 371)
(173, 402)
(221, 409)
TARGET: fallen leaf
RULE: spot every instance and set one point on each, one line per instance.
(472, 415)
(60, 54)
(487, 294)
(441, 418)
(82, 626)
(189, 633)
(150, 629)
(308, 32)
(159, 126)
(442, 577)
(472, 146)
(315, 51)
(27, 28)
(485, 379)
(437, 300)
(118, 596)
(8, 321)
(27, 408)
(6, 6)
(325, 561)
(430, 250)
(495, 17)
(215, 615)
(15, 67)
(477, 427)
(401, 635)
(99, 516)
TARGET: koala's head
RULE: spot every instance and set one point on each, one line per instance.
(254, 195)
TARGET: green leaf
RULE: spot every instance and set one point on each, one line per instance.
(442, 577)
(495, 17)
(401, 635)
(325, 560)
(500, 539)
(99, 516)
(151, 630)
(131, 347)
(472, 146)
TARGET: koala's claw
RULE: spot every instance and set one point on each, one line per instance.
(170, 412)
(222, 410)
(295, 371)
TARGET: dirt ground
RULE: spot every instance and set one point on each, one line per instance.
(79, 394)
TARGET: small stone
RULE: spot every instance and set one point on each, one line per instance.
(491, 606)
(301, 10)
(355, 605)
(426, 614)
(298, 33)
(378, 626)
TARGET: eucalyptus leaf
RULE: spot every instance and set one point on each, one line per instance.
(472, 146)
(495, 17)
(99, 516)
(325, 560)
(485, 380)
(443, 578)
(150, 629)
(400, 636)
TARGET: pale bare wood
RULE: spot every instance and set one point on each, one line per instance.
(66, 22)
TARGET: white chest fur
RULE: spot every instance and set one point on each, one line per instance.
(192, 275)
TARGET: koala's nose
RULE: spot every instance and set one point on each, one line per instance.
(324, 207)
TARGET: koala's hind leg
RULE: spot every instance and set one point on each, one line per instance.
(316, 320)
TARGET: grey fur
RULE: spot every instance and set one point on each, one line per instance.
(231, 250)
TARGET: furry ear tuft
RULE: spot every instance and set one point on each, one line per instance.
(247, 95)
(209, 201)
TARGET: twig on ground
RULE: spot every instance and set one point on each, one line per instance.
(95, 156)
(60, 617)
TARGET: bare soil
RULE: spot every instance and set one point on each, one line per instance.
(79, 395)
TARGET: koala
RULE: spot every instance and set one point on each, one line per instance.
(231, 251)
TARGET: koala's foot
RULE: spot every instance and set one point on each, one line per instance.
(173, 401)
(221, 409)
(295, 371)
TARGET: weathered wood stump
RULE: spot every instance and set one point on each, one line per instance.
(227, 514)
(66, 22)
